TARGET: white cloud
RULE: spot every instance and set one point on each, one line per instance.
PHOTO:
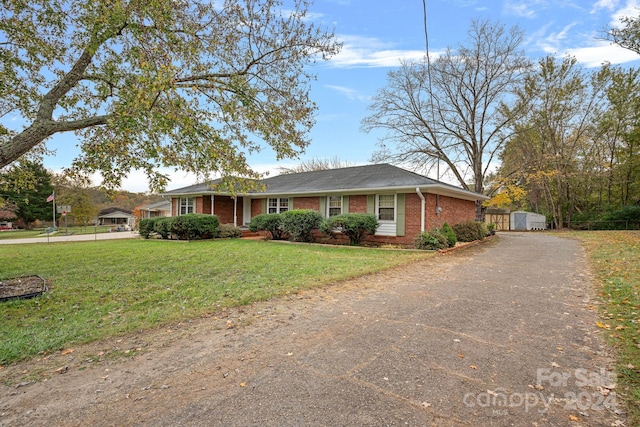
(552, 42)
(589, 48)
(358, 51)
(524, 9)
(309, 16)
(603, 51)
(604, 4)
(348, 92)
(630, 8)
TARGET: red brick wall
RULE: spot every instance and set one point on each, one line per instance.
(206, 205)
(223, 209)
(453, 211)
(413, 204)
(358, 204)
(312, 203)
(256, 207)
(199, 205)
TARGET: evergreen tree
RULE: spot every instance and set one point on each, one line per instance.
(28, 186)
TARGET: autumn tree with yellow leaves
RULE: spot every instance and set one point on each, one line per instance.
(195, 85)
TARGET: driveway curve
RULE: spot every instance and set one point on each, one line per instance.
(503, 334)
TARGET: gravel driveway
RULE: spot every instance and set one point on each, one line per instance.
(499, 334)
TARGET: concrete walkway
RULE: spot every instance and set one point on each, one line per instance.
(59, 237)
(502, 334)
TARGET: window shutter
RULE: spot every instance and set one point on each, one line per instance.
(291, 204)
(323, 206)
(264, 206)
(400, 214)
(345, 204)
(371, 204)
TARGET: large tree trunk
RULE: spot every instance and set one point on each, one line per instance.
(479, 188)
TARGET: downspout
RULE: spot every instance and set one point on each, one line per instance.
(422, 208)
(212, 211)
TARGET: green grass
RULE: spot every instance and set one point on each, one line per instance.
(615, 259)
(108, 288)
(19, 234)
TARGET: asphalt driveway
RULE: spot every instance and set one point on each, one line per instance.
(500, 334)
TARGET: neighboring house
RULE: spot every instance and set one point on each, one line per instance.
(405, 202)
(117, 217)
(152, 210)
(9, 219)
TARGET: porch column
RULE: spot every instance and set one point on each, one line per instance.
(235, 211)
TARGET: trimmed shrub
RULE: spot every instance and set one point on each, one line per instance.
(229, 231)
(470, 231)
(431, 240)
(195, 226)
(163, 226)
(300, 223)
(356, 226)
(147, 226)
(268, 222)
(448, 232)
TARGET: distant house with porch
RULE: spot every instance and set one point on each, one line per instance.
(117, 217)
(405, 203)
(152, 210)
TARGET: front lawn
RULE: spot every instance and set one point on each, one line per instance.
(107, 288)
(615, 260)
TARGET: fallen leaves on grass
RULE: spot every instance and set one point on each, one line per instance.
(599, 324)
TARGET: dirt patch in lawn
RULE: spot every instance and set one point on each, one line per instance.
(22, 287)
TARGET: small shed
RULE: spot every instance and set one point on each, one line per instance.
(498, 217)
(521, 221)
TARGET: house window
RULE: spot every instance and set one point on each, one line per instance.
(277, 205)
(187, 205)
(335, 205)
(387, 207)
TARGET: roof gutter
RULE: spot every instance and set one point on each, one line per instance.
(422, 206)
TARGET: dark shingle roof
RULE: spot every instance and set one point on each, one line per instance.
(370, 177)
(161, 205)
(203, 187)
(112, 210)
(357, 178)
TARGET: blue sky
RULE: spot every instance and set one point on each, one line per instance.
(378, 33)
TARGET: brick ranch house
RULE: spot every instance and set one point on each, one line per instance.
(405, 202)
